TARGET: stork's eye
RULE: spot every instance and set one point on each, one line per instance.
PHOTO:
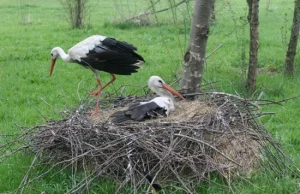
(160, 81)
(51, 54)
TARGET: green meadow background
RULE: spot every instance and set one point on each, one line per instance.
(31, 28)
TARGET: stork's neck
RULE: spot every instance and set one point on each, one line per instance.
(65, 57)
(163, 93)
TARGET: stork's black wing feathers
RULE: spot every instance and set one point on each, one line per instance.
(119, 117)
(121, 44)
(139, 112)
(113, 56)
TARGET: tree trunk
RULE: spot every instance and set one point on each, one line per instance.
(291, 52)
(76, 11)
(254, 43)
(78, 23)
(194, 57)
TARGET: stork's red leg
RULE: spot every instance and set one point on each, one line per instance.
(98, 97)
(96, 93)
(111, 81)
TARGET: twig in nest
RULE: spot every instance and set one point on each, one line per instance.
(267, 102)
(209, 145)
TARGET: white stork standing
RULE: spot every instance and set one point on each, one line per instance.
(100, 53)
(159, 106)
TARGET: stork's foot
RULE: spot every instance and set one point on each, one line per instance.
(94, 93)
(93, 112)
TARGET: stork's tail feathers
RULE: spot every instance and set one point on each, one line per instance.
(119, 117)
(155, 186)
(139, 63)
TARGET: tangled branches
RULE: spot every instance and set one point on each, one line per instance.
(218, 133)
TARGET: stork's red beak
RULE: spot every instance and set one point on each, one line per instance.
(52, 66)
(167, 87)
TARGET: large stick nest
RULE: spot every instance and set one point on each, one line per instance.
(217, 133)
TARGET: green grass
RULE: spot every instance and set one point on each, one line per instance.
(28, 94)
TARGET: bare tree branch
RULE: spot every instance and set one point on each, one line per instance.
(147, 13)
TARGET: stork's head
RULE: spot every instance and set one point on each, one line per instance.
(157, 85)
(54, 54)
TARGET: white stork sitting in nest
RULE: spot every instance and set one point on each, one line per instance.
(157, 107)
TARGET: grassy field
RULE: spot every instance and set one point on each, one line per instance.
(31, 28)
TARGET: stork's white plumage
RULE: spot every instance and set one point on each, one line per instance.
(81, 49)
(159, 106)
(101, 53)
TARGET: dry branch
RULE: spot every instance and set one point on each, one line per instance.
(147, 13)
